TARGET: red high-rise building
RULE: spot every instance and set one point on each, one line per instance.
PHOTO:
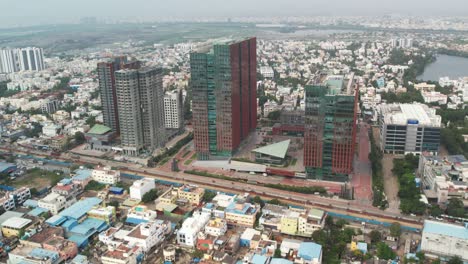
(224, 104)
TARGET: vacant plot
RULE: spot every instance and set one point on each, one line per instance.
(37, 178)
(391, 185)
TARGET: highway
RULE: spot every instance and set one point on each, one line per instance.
(347, 207)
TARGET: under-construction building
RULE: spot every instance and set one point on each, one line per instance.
(224, 103)
(330, 127)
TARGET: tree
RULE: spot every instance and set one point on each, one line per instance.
(456, 208)
(435, 211)
(384, 251)
(395, 229)
(79, 138)
(198, 254)
(341, 223)
(258, 200)
(208, 196)
(277, 253)
(375, 236)
(274, 115)
(455, 260)
(150, 196)
(91, 121)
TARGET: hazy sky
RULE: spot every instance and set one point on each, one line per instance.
(20, 12)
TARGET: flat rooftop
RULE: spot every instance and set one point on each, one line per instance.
(403, 114)
(446, 229)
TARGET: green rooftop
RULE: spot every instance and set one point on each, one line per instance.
(316, 213)
(99, 129)
(278, 150)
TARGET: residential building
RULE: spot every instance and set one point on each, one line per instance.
(224, 103)
(310, 253)
(140, 187)
(425, 87)
(24, 59)
(408, 128)
(122, 255)
(140, 214)
(444, 240)
(443, 178)
(434, 97)
(140, 103)
(66, 249)
(173, 110)
(55, 202)
(241, 214)
(12, 199)
(187, 234)
(330, 127)
(147, 235)
(33, 255)
(50, 106)
(106, 214)
(192, 194)
(105, 175)
(216, 227)
(106, 77)
(267, 72)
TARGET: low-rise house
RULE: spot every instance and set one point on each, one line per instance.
(106, 175)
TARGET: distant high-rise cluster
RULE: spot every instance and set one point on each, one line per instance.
(133, 104)
(224, 103)
(24, 59)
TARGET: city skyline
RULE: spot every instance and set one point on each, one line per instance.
(56, 12)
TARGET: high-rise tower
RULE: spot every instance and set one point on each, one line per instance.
(330, 127)
(224, 102)
(140, 104)
(106, 76)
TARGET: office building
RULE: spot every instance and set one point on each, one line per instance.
(408, 128)
(106, 77)
(24, 59)
(140, 104)
(173, 110)
(224, 104)
(330, 127)
(444, 240)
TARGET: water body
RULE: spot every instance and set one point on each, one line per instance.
(451, 66)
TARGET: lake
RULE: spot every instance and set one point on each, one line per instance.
(451, 66)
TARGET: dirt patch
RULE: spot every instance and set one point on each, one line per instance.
(391, 185)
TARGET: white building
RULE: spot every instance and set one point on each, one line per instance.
(15, 198)
(55, 203)
(187, 235)
(106, 175)
(148, 235)
(445, 240)
(434, 97)
(25, 59)
(425, 87)
(121, 255)
(409, 128)
(140, 187)
(216, 227)
(51, 130)
(267, 72)
(173, 109)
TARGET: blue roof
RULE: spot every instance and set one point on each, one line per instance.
(37, 211)
(362, 247)
(309, 250)
(41, 253)
(56, 220)
(280, 261)
(69, 224)
(258, 259)
(79, 259)
(116, 189)
(135, 221)
(89, 226)
(65, 181)
(446, 229)
(82, 174)
(30, 203)
(5, 166)
(80, 241)
(80, 208)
